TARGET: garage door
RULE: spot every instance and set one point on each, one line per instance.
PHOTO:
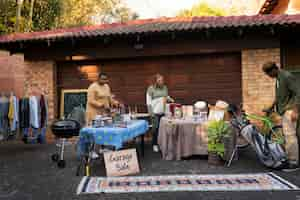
(189, 78)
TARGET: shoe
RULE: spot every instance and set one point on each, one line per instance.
(155, 148)
(94, 155)
(103, 150)
(291, 168)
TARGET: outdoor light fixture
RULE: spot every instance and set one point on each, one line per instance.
(79, 57)
(48, 43)
(138, 46)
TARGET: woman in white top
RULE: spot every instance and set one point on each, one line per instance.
(156, 98)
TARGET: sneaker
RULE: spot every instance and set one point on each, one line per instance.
(155, 148)
(94, 155)
(291, 168)
(103, 150)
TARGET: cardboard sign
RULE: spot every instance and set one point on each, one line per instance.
(121, 163)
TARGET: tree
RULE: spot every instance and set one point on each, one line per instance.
(46, 14)
(204, 9)
(7, 16)
(86, 12)
(18, 18)
(37, 15)
(30, 15)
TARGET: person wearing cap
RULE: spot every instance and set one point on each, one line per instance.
(287, 104)
(99, 98)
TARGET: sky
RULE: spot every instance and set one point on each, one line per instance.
(159, 8)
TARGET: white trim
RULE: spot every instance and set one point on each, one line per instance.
(285, 181)
(81, 184)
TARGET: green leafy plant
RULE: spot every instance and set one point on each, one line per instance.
(217, 131)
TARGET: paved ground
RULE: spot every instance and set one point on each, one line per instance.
(27, 173)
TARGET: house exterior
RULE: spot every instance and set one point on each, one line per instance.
(202, 58)
(290, 7)
(280, 7)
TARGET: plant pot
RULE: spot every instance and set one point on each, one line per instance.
(229, 145)
(214, 159)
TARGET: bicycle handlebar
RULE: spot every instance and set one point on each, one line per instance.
(264, 119)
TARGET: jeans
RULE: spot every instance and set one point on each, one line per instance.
(156, 122)
(36, 133)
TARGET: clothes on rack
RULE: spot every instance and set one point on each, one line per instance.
(13, 113)
(34, 112)
(38, 135)
(4, 109)
(38, 117)
(24, 114)
(28, 114)
(43, 111)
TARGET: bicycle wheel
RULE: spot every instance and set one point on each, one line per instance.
(268, 152)
(242, 143)
(263, 156)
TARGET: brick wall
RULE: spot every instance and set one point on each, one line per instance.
(12, 73)
(258, 89)
(40, 78)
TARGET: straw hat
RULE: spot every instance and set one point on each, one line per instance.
(200, 105)
(222, 104)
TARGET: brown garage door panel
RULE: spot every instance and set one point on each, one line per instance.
(189, 78)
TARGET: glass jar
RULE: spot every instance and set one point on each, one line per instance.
(178, 112)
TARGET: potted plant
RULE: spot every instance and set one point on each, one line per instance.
(217, 132)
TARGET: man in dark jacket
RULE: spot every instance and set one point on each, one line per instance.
(287, 104)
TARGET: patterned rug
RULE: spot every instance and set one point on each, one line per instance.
(229, 182)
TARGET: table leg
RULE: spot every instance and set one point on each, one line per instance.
(142, 146)
(139, 144)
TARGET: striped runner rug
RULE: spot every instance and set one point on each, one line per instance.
(226, 182)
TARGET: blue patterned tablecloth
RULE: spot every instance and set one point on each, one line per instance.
(114, 136)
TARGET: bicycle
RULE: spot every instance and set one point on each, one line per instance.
(267, 144)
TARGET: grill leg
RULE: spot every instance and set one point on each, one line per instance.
(62, 149)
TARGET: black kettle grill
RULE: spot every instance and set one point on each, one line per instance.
(63, 130)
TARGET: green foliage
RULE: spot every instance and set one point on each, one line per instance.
(51, 14)
(7, 16)
(217, 131)
(46, 14)
(204, 9)
(85, 12)
(216, 148)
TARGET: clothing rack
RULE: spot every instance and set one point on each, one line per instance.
(27, 116)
